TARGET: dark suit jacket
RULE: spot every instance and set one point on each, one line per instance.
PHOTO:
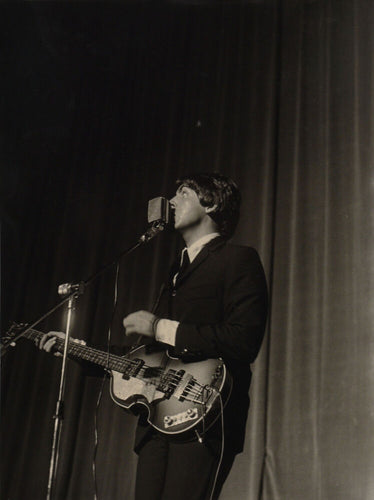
(221, 304)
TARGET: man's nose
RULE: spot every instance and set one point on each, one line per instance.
(172, 202)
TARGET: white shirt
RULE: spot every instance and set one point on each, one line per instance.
(167, 328)
(196, 247)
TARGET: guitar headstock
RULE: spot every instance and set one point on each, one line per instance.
(10, 338)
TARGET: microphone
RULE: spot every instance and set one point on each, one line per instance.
(158, 218)
(158, 209)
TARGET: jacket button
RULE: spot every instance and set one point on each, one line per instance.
(174, 293)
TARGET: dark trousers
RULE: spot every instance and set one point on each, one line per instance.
(181, 471)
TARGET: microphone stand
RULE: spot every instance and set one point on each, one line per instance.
(59, 414)
(78, 289)
(68, 289)
(73, 291)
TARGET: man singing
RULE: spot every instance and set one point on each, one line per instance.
(214, 305)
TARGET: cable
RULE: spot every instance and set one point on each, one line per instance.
(98, 401)
(96, 438)
(222, 448)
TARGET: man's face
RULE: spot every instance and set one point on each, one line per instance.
(188, 210)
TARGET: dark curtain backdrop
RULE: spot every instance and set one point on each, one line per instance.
(104, 105)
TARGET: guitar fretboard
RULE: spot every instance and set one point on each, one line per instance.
(164, 380)
(81, 351)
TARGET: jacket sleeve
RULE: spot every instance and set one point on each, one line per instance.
(239, 335)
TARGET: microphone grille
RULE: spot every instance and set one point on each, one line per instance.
(158, 209)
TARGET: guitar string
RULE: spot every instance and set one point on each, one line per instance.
(195, 391)
(95, 355)
(171, 378)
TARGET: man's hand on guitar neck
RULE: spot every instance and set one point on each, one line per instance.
(48, 341)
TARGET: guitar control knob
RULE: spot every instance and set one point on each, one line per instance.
(190, 412)
(168, 420)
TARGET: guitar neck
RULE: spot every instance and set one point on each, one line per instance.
(81, 351)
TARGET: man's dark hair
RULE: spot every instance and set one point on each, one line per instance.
(216, 189)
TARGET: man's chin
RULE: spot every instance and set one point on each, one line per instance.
(178, 224)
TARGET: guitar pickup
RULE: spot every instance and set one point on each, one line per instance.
(151, 372)
(133, 369)
(168, 382)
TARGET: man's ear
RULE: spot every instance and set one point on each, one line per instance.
(209, 210)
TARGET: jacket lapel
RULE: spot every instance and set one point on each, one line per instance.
(201, 257)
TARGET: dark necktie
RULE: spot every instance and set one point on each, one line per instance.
(185, 262)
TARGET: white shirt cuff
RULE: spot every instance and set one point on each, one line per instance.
(166, 330)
